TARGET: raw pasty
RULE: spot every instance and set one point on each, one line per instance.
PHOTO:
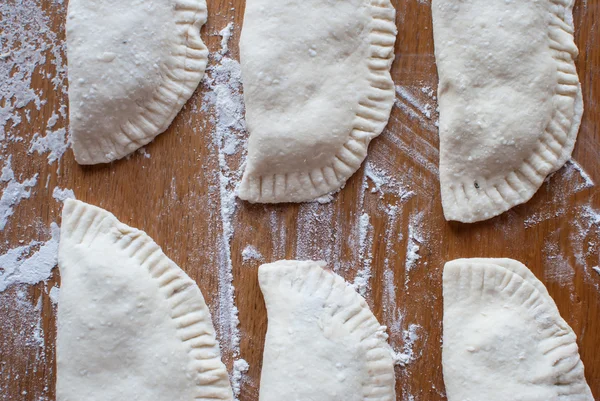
(510, 100)
(317, 89)
(131, 324)
(132, 67)
(504, 338)
(323, 343)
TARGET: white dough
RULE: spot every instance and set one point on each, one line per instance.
(504, 338)
(132, 66)
(510, 100)
(317, 89)
(132, 326)
(323, 343)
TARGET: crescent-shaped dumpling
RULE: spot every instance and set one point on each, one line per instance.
(323, 343)
(504, 338)
(131, 324)
(317, 89)
(510, 100)
(132, 66)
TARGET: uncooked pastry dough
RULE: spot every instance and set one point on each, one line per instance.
(132, 66)
(317, 89)
(323, 343)
(504, 338)
(510, 100)
(131, 324)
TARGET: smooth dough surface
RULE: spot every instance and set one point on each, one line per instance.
(132, 66)
(317, 89)
(504, 338)
(323, 343)
(510, 100)
(131, 324)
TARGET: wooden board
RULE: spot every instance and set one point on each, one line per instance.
(174, 196)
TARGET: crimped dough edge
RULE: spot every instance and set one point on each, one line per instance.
(560, 342)
(466, 203)
(82, 223)
(373, 113)
(182, 73)
(346, 305)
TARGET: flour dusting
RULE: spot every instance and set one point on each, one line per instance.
(407, 354)
(14, 192)
(224, 97)
(27, 49)
(225, 34)
(54, 143)
(385, 184)
(23, 335)
(54, 294)
(250, 253)
(26, 265)
(415, 240)
(240, 367)
(424, 108)
(587, 180)
(365, 246)
(61, 195)
(392, 315)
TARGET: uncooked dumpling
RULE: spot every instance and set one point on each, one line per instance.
(510, 100)
(323, 343)
(131, 324)
(132, 66)
(504, 338)
(317, 89)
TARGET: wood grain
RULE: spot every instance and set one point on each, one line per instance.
(171, 196)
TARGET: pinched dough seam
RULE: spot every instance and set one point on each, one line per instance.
(180, 78)
(192, 320)
(371, 118)
(554, 148)
(342, 306)
(560, 342)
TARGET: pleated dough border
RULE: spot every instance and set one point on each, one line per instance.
(180, 78)
(496, 195)
(344, 305)
(83, 223)
(472, 279)
(371, 117)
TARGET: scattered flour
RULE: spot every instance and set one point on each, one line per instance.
(392, 316)
(384, 184)
(21, 266)
(144, 152)
(251, 253)
(325, 199)
(587, 180)
(415, 240)
(228, 138)
(23, 337)
(240, 366)
(405, 356)
(365, 246)
(54, 294)
(28, 49)
(62, 195)
(225, 34)
(407, 97)
(13, 193)
(55, 142)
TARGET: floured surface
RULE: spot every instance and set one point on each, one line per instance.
(188, 185)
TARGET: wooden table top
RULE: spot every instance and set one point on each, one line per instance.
(388, 207)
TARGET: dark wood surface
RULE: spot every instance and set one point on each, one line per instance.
(174, 197)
